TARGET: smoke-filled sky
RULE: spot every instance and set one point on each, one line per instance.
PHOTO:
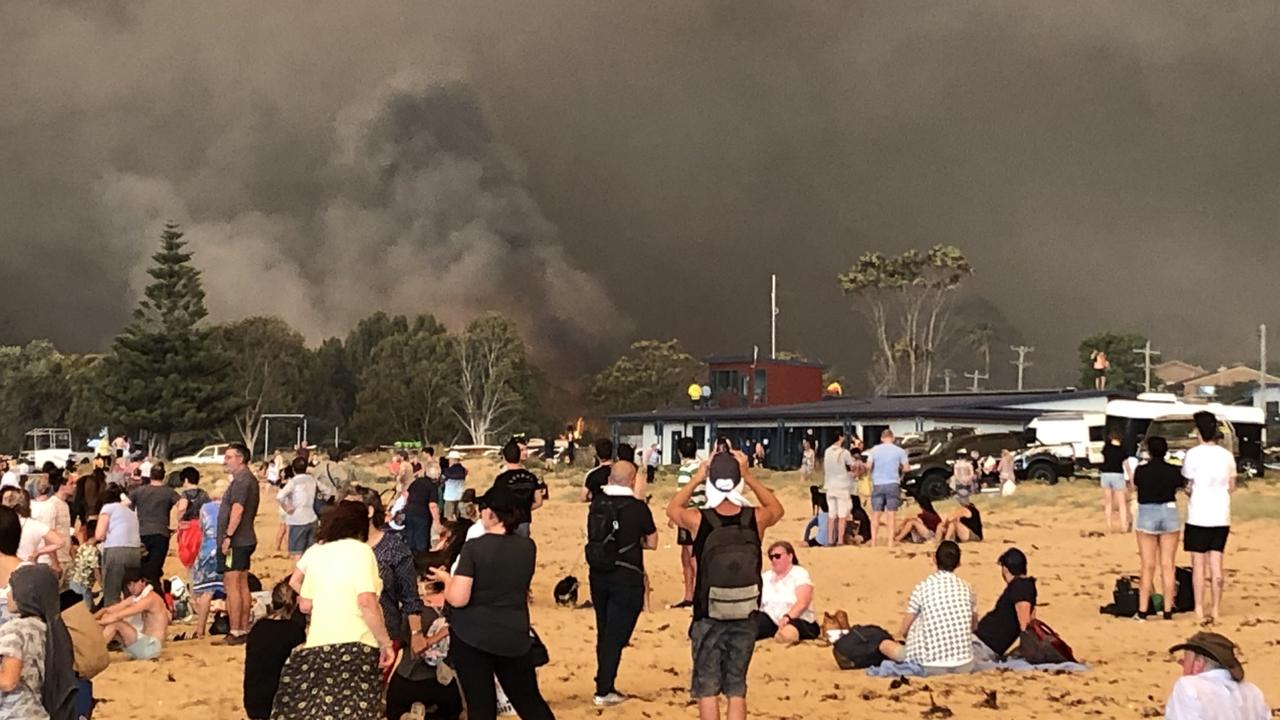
(609, 171)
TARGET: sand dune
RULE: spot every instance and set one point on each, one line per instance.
(1131, 671)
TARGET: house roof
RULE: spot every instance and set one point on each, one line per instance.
(960, 406)
(762, 360)
(1173, 372)
(1239, 370)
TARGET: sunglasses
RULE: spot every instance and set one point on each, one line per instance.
(777, 556)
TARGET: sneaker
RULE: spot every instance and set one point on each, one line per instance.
(609, 700)
(682, 604)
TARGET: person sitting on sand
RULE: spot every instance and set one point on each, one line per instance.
(921, 528)
(939, 622)
(1212, 683)
(268, 646)
(815, 532)
(964, 524)
(139, 621)
(786, 599)
(999, 629)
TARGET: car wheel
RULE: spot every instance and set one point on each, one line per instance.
(934, 487)
(1043, 472)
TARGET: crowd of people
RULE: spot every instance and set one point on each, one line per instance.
(418, 606)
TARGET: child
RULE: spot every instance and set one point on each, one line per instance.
(84, 570)
(425, 678)
(267, 648)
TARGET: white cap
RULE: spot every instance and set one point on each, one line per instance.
(453, 455)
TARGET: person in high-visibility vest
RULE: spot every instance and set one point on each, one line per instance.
(695, 394)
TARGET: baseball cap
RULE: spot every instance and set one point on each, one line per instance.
(1215, 646)
(724, 481)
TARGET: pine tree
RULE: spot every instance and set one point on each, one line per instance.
(164, 374)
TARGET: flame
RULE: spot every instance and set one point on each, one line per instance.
(577, 429)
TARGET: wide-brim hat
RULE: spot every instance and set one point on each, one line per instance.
(1218, 647)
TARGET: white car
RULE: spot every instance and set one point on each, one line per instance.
(207, 455)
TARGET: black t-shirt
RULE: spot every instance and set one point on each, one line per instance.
(1113, 457)
(422, 492)
(266, 649)
(1157, 482)
(497, 618)
(973, 522)
(598, 478)
(523, 484)
(635, 522)
(700, 541)
(999, 629)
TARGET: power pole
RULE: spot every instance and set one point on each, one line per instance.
(1262, 379)
(946, 379)
(1022, 361)
(773, 319)
(1146, 352)
(976, 376)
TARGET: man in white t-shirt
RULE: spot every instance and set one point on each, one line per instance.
(55, 513)
(838, 485)
(10, 477)
(1210, 470)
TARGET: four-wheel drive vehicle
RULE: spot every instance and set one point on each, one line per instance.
(1046, 463)
(207, 455)
(928, 476)
(1181, 434)
(54, 445)
(930, 440)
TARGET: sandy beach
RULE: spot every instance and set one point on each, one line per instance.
(1130, 675)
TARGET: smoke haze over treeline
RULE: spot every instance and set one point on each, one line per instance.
(606, 171)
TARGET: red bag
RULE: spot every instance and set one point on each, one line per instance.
(1041, 644)
(189, 539)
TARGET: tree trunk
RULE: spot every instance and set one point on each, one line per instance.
(158, 445)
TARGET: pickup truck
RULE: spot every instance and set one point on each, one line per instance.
(1045, 463)
(929, 475)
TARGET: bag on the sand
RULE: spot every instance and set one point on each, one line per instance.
(1184, 599)
(730, 566)
(860, 647)
(603, 553)
(221, 624)
(1124, 599)
(566, 591)
(1040, 644)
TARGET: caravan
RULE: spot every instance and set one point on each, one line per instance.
(1240, 426)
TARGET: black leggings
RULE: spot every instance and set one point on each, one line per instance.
(441, 701)
(476, 670)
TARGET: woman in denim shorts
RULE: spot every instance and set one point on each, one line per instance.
(1114, 486)
(1158, 524)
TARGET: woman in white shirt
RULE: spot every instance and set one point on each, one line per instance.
(786, 599)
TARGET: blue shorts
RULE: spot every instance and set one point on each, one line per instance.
(886, 498)
(1113, 481)
(144, 648)
(1158, 519)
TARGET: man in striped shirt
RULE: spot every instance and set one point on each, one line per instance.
(689, 462)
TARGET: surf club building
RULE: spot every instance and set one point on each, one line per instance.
(781, 402)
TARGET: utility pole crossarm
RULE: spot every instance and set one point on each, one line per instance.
(977, 376)
(1022, 362)
(1147, 353)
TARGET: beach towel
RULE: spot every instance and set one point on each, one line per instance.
(889, 668)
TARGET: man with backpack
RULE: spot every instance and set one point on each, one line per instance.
(620, 528)
(726, 548)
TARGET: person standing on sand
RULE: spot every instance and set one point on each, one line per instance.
(887, 462)
(837, 464)
(237, 540)
(1114, 485)
(1157, 484)
(1210, 471)
(689, 465)
(620, 528)
(726, 547)
(154, 503)
(599, 475)
(1212, 686)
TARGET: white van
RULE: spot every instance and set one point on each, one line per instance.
(1084, 432)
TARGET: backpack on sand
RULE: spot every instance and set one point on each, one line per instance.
(860, 647)
(730, 566)
(1042, 645)
(603, 553)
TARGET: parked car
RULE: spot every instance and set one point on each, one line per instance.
(207, 455)
(919, 445)
(1046, 463)
(1181, 434)
(42, 445)
(928, 475)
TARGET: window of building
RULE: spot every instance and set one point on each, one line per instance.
(726, 381)
(761, 387)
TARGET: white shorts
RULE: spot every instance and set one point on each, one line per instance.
(840, 504)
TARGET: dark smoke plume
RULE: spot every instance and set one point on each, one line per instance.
(1106, 165)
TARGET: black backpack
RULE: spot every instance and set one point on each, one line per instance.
(603, 553)
(1184, 600)
(860, 647)
(730, 566)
